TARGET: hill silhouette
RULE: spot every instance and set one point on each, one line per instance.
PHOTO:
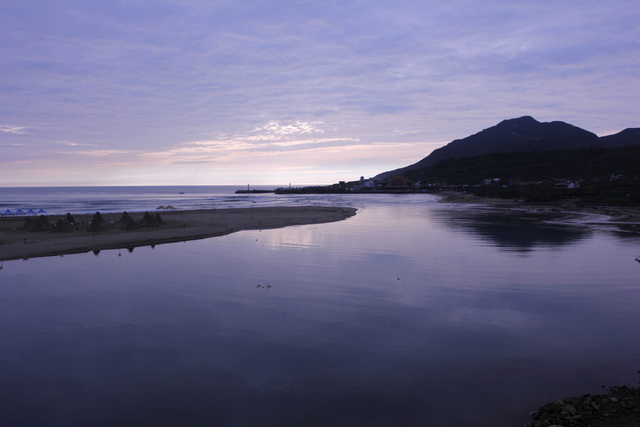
(622, 139)
(594, 163)
(520, 135)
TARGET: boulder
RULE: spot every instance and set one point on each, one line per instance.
(68, 219)
(36, 224)
(96, 221)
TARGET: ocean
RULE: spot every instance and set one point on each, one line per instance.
(60, 200)
(410, 313)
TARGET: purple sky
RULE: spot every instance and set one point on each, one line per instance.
(271, 92)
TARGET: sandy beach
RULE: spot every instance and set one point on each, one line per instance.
(16, 243)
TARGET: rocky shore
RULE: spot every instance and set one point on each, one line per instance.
(620, 407)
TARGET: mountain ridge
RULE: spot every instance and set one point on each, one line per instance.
(523, 134)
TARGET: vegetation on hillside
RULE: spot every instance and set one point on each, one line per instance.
(588, 164)
(598, 175)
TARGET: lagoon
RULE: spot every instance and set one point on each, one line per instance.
(410, 313)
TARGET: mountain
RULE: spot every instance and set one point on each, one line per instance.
(524, 134)
(625, 138)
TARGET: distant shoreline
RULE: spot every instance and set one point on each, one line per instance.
(183, 225)
(178, 226)
(620, 215)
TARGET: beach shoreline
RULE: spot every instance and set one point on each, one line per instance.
(609, 215)
(179, 225)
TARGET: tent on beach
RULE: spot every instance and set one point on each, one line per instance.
(19, 212)
(42, 211)
(31, 212)
(7, 212)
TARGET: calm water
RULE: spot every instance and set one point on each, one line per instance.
(409, 313)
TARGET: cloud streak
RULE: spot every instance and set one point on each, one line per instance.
(271, 139)
(18, 130)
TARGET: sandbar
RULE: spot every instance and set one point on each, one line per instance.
(179, 225)
(600, 214)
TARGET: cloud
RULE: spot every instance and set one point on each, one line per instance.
(270, 139)
(325, 142)
(77, 144)
(297, 128)
(19, 130)
(102, 153)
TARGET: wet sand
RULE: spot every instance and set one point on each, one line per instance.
(611, 215)
(178, 226)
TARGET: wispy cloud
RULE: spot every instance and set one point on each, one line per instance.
(100, 153)
(19, 130)
(270, 139)
(297, 128)
(77, 144)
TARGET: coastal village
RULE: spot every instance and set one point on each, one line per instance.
(495, 186)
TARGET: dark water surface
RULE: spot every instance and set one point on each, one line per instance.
(409, 313)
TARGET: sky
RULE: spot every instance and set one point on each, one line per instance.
(168, 92)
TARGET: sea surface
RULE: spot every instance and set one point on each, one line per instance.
(411, 313)
(60, 200)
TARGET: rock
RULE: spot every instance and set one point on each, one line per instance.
(59, 226)
(148, 220)
(124, 219)
(130, 224)
(36, 224)
(620, 407)
(69, 219)
(96, 222)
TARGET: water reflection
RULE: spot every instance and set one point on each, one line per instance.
(627, 231)
(514, 229)
(398, 316)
